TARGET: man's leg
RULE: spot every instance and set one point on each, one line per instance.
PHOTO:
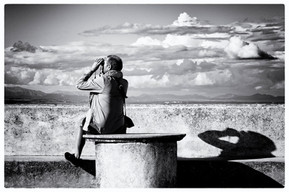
(80, 141)
(87, 120)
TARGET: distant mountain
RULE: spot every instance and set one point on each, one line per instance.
(166, 98)
(18, 95)
(256, 98)
(228, 98)
(18, 92)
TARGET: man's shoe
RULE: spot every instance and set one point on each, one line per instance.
(72, 159)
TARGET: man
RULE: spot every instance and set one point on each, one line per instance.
(107, 93)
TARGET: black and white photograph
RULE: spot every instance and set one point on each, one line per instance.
(144, 95)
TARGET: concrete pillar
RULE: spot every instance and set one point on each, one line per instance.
(136, 160)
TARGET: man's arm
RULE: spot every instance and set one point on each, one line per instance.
(96, 84)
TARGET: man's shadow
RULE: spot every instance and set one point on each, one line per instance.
(216, 172)
(219, 172)
(239, 144)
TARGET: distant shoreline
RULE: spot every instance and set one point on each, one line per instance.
(148, 103)
(151, 105)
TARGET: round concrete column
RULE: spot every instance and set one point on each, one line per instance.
(136, 160)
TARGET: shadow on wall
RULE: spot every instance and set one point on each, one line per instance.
(218, 172)
(239, 144)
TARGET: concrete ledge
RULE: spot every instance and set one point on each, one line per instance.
(135, 137)
(55, 172)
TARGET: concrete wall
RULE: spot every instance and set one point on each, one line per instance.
(51, 130)
(55, 172)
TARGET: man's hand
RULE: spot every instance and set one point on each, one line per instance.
(98, 62)
(231, 132)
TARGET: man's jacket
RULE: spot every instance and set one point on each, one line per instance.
(106, 100)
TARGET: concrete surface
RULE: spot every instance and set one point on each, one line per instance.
(55, 172)
(51, 130)
(209, 156)
(135, 160)
(135, 137)
(137, 164)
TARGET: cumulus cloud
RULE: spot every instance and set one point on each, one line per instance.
(67, 56)
(147, 81)
(203, 79)
(19, 75)
(172, 40)
(186, 80)
(185, 19)
(190, 41)
(185, 24)
(20, 46)
(217, 77)
(147, 41)
(189, 54)
(220, 44)
(239, 49)
(264, 30)
(26, 76)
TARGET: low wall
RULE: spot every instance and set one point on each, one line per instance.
(55, 172)
(255, 129)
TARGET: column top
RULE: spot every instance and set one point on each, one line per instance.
(135, 137)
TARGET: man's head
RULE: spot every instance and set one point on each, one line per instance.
(112, 62)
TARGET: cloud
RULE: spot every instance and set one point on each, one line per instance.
(172, 40)
(19, 75)
(272, 29)
(208, 53)
(147, 81)
(67, 56)
(217, 77)
(77, 55)
(185, 24)
(189, 55)
(203, 79)
(146, 41)
(185, 80)
(258, 87)
(195, 40)
(185, 20)
(253, 31)
(279, 85)
(20, 46)
(240, 49)
(221, 44)
(26, 76)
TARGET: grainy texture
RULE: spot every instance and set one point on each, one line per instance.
(55, 172)
(50, 130)
(136, 164)
(43, 174)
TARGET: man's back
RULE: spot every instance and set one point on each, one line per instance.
(107, 106)
(106, 100)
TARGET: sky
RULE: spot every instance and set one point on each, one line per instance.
(180, 49)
